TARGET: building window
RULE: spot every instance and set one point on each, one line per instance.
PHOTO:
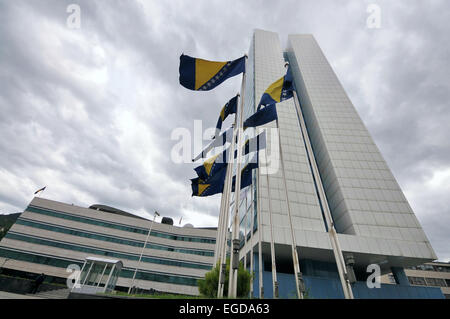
(418, 281)
(435, 282)
(442, 269)
(118, 240)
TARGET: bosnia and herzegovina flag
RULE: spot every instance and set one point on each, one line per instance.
(225, 137)
(212, 166)
(264, 115)
(40, 190)
(213, 186)
(203, 75)
(255, 144)
(246, 173)
(229, 108)
(278, 91)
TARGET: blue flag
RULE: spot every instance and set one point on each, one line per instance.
(246, 173)
(213, 186)
(229, 108)
(212, 166)
(203, 75)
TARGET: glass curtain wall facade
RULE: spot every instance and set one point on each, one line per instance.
(374, 221)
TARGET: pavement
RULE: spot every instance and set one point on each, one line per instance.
(9, 295)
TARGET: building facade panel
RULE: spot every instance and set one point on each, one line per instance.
(50, 236)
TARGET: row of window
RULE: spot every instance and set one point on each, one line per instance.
(122, 227)
(117, 240)
(91, 250)
(432, 282)
(431, 268)
(125, 273)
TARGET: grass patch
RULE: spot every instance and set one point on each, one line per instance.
(153, 296)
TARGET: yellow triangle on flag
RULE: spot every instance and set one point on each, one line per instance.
(202, 188)
(205, 70)
(208, 164)
(274, 90)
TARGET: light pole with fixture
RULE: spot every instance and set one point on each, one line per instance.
(142, 252)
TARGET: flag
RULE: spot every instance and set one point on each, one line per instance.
(203, 75)
(211, 166)
(225, 137)
(246, 174)
(229, 108)
(179, 223)
(213, 186)
(278, 91)
(40, 190)
(255, 144)
(262, 116)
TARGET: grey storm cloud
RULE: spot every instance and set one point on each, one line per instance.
(90, 112)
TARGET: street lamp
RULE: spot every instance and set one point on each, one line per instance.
(142, 252)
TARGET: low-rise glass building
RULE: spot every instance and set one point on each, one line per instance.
(50, 236)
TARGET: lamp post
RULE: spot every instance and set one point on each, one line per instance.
(142, 252)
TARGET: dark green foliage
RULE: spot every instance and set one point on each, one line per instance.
(6, 221)
(208, 286)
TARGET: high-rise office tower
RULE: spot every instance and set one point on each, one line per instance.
(372, 217)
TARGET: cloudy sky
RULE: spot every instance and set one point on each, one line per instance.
(91, 112)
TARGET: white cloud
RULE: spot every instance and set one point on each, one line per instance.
(89, 112)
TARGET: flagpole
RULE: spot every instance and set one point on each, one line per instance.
(272, 245)
(259, 212)
(294, 243)
(217, 249)
(234, 265)
(339, 258)
(142, 252)
(251, 238)
(226, 212)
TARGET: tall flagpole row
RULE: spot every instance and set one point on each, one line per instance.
(226, 213)
(259, 212)
(272, 245)
(340, 262)
(295, 260)
(234, 264)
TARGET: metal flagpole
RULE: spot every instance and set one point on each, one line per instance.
(225, 211)
(142, 251)
(251, 241)
(220, 224)
(260, 266)
(272, 244)
(234, 260)
(227, 215)
(346, 286)
(294, 243)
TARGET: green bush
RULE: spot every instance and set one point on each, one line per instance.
(208, 286)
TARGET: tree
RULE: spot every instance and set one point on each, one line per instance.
(208, 286)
